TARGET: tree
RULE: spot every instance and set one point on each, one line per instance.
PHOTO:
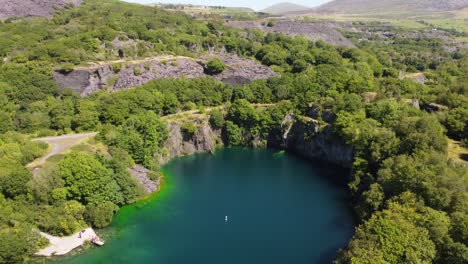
(390, 236)
(87, 118)
(142, 136)
(457, 123)
(234, 134)
(16, 183)
(101, 215)
(299, 65)
(216, 119)
(214, 66)
(243, 114)
(460, 227)
(372, 200)
(16, 244)
(87, 180)
(425, 174)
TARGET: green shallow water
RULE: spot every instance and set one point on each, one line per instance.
(281, 209)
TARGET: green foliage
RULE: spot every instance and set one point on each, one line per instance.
(100, 215)
(122, 156)
(142, 136)
(390, 236)
(214, 66)
(216, 119)
(234, 134)
(457, 123)
(137, 71)
(426, 174)
(87, 180)
(189, 128)
(16, 244)
(397, 148)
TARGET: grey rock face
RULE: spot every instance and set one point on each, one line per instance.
(178, 145)
(86, 81)
(32, 8)
(305, 138)
(314, 141)
(140, 173)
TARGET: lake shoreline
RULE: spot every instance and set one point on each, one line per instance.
(150, 197)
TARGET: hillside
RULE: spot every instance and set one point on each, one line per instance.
(32, 8)
(282, 8)
(156, 84)
(394, 6)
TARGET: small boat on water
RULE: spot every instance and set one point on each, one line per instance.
(226, 218)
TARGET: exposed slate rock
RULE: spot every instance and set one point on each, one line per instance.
(86, 81)
(33, 8)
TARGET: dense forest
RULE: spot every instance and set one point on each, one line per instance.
(410, 199)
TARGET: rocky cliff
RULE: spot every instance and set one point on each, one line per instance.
(312, 140)
(179, 144)
(302, 136)
(119, 75)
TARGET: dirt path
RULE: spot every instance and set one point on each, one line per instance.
(59, 145)
(207, 110)
(92, 65)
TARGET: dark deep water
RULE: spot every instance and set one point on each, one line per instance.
(281, 209)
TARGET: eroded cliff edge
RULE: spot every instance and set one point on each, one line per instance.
(302, 136)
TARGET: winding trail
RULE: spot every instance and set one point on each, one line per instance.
(206, 110)
(96, 64)
(59, 145)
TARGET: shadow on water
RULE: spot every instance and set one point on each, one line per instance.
(329, 255)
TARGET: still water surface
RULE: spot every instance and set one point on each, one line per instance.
(279, 208)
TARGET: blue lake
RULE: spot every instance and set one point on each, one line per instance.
(280, 209)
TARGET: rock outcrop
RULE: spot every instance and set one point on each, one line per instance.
(127, 74)
(312, 140)
(179, 144)
(33, 8)
(303, 136)
(140, 173)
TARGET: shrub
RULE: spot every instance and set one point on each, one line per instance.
(67, 67)
(215, 66)
(137, 71)
(189, 106)
(216, 119)
(189, 128)
(101, 215)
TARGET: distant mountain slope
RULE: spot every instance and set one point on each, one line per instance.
(389, 6)
(283, 8)
(32, 8)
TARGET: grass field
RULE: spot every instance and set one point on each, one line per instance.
(449, 20)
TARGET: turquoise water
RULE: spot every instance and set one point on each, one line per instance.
(280, 209)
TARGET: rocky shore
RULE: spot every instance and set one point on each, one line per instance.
(140, 173)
